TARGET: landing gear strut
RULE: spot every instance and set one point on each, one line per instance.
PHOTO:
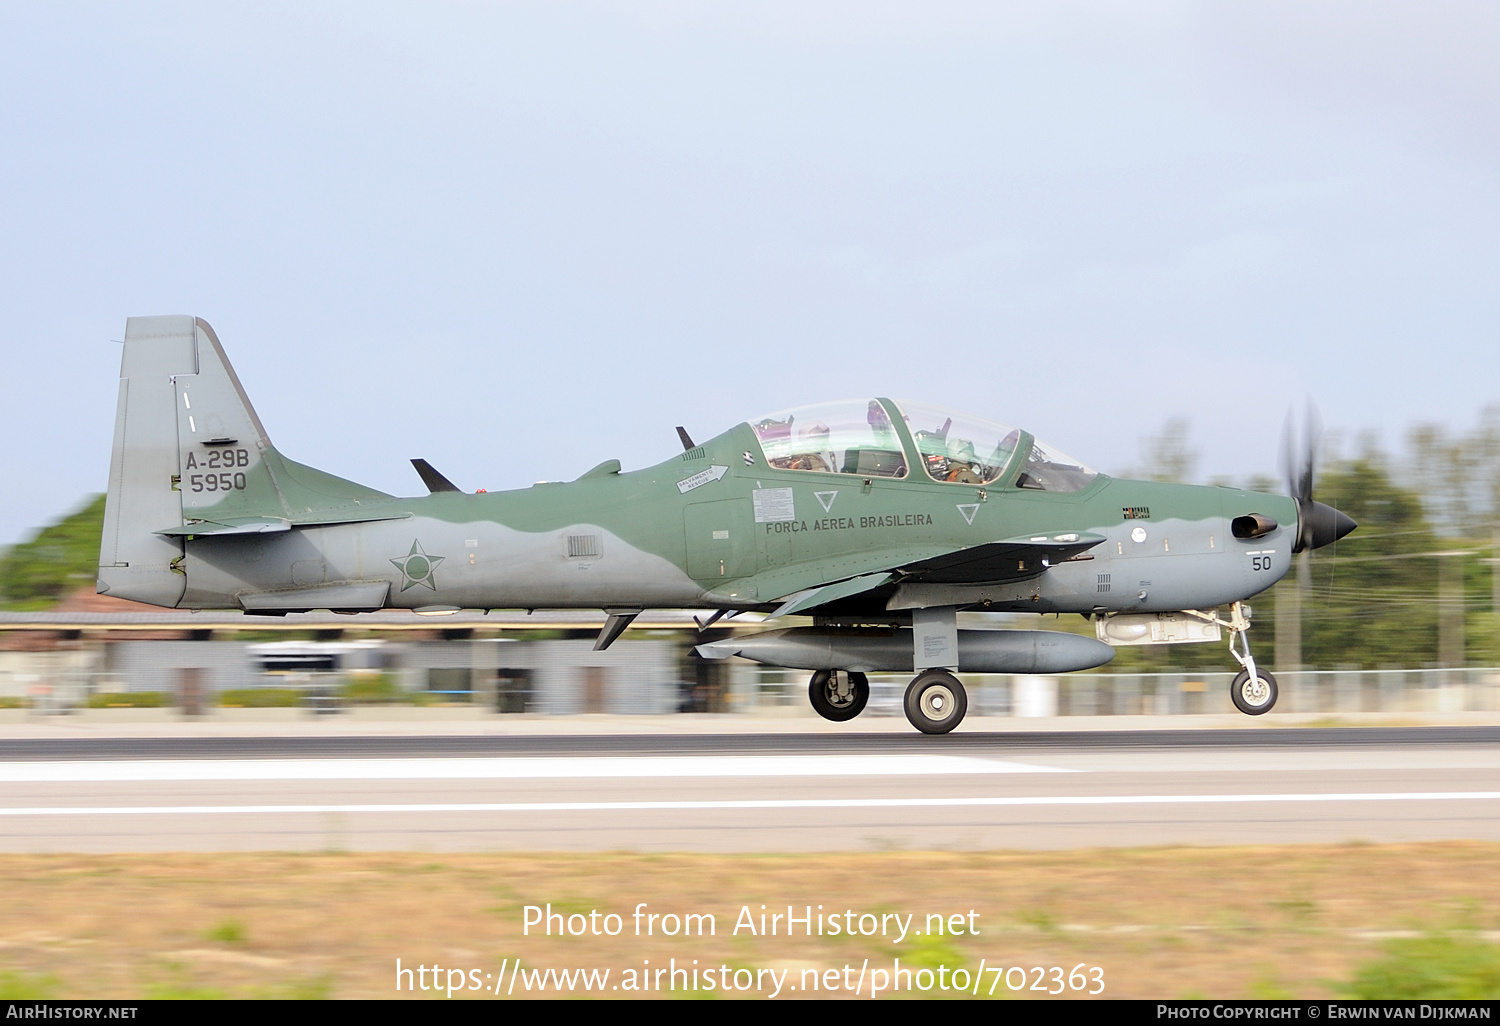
(935, 702)
(838, 695)
(1253, 690)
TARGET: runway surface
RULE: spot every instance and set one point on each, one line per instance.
(750, 793)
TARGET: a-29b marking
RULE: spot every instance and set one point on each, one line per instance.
(213, 459)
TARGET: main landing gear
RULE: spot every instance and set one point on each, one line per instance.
(838, 695)
(935, 700)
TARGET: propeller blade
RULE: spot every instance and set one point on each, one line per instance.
(1317, 524)
(1289, 453)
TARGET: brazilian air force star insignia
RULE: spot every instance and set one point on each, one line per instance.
(417, 567)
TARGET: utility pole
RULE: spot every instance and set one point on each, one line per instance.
(1289, 629)
(1495, 575)
(1451, 608)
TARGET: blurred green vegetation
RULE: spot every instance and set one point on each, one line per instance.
(1441, 966)
(374, 689)
(129, 699)
(381, 689)
(230, 931)
(27, 987)
(260, 698)
(62, 557)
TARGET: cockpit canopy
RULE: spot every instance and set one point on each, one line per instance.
(854, 436)
(859, 436)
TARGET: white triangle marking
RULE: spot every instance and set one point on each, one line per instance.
(826, 498)
(968, 509)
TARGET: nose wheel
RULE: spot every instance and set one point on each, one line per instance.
(935, 702)
(838, 695)
(1253, 694)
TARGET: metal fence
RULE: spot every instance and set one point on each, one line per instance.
(1334, 692)
(758, 690)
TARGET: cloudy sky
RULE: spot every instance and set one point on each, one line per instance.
(519, 239)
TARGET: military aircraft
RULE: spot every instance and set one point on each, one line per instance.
(880, 519)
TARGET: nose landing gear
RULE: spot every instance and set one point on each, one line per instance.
(1253, 691)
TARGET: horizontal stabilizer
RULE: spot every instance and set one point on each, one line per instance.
(246, 525)
(434, 481)
(267, 525)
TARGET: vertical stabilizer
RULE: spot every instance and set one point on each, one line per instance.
(188, 447)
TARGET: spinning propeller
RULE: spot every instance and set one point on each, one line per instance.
(1317, 524)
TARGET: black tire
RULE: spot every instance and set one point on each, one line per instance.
(1253, 700)
(936, 702)
(838, 701)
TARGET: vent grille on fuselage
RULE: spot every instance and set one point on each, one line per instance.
(583, 546)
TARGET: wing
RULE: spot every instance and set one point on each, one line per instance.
(1015, 559)
(1000, 562)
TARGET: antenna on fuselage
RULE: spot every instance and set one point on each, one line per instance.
(434, 481)
(687, 441)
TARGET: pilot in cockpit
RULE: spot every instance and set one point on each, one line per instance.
(813, 452)
(963, 467)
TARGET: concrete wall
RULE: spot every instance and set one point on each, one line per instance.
(628, 678)
(155, 665)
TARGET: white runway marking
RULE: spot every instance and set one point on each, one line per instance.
(770, 803)
(539, 768)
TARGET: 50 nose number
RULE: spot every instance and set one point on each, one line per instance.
(216, 482)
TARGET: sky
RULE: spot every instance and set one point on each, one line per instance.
(520, 239)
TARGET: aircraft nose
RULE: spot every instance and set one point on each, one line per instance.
(1327, 525)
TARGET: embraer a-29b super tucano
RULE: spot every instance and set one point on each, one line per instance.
(880, 519)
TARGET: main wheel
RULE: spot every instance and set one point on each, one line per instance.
(1253, 697)
(838, 695)
(936, 702)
